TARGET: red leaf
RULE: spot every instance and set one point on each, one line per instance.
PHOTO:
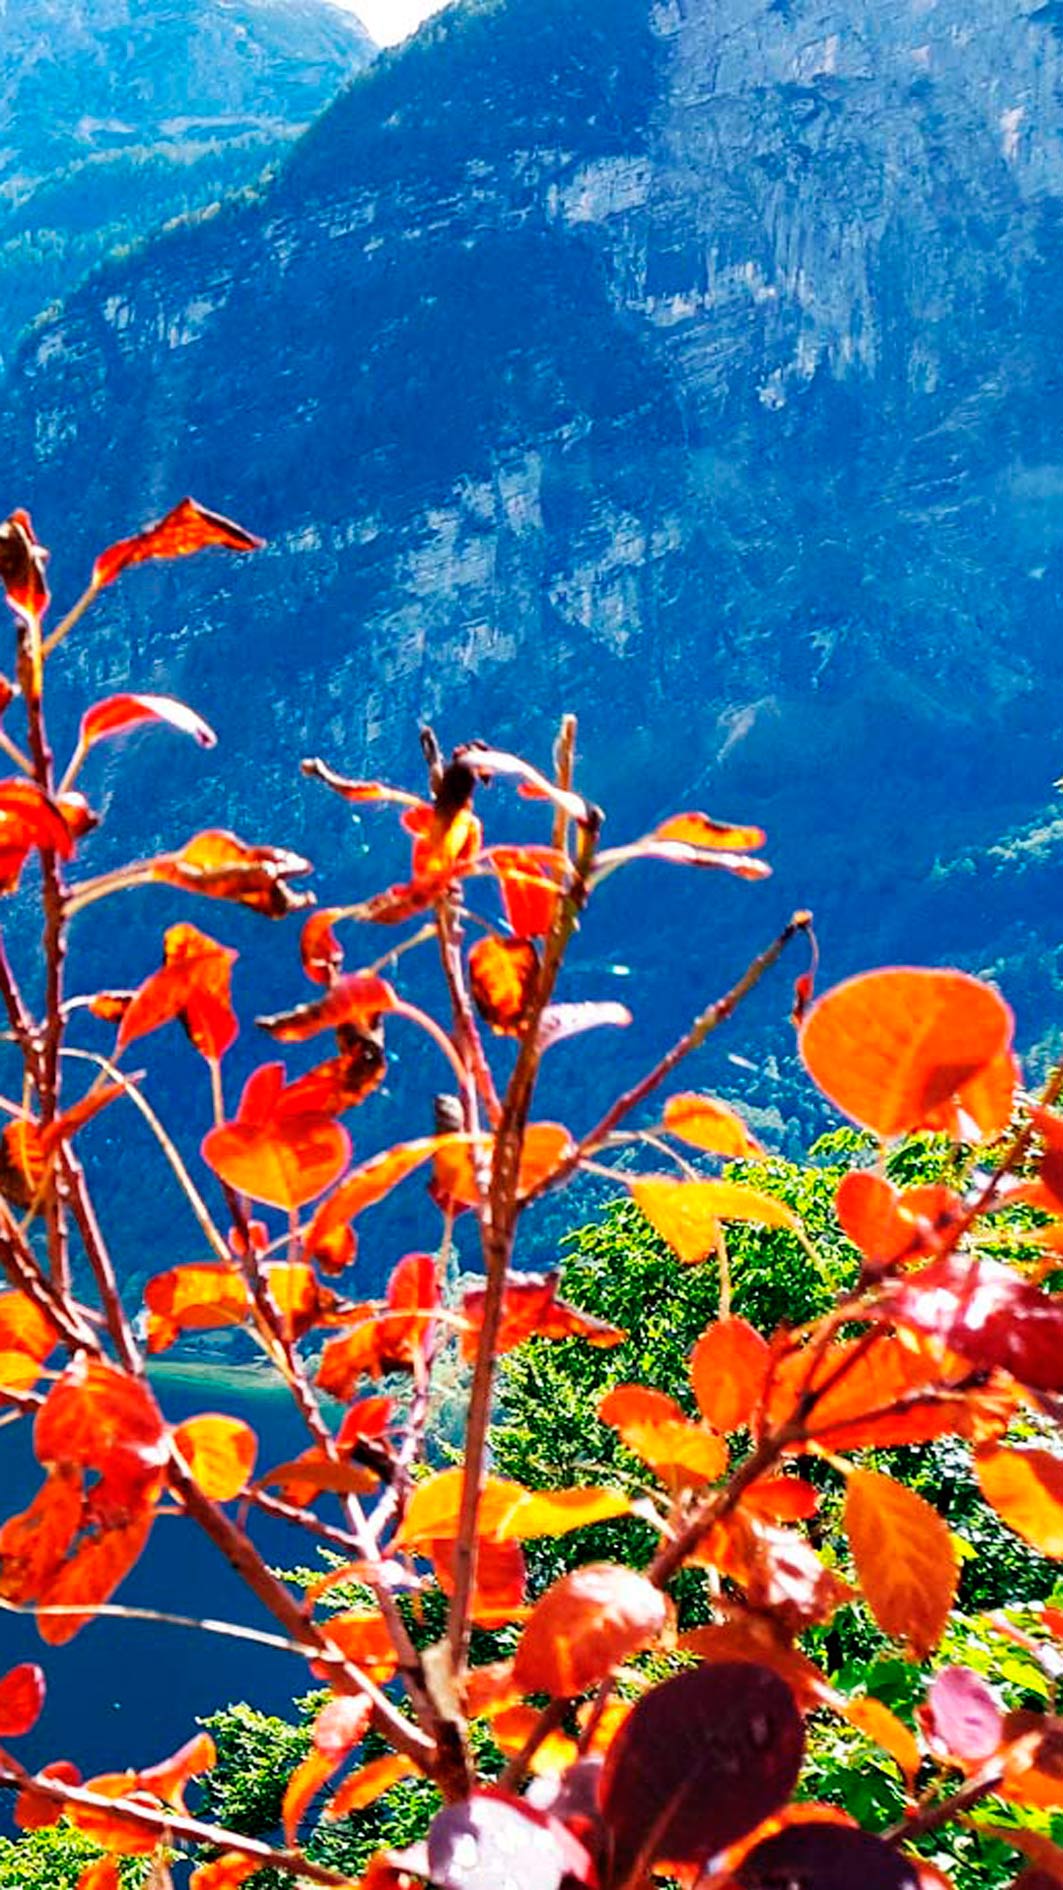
(680, 853)
(218, 865)
(21, 1700)
(226, 1872)
(503, 977)
(306, 1781)
(115, 715)
(94, 1410)
(388, 1339)
(531, 1309)
(34, 1543)
(22, 564)
(187, 528)
(700, 1761)
(874, 1398)
(91, 1576)
(986, 1313)
(360, 999)
(194, 984)
(902, 1050)
(529, 879)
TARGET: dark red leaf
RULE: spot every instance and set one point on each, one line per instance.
(187, 528)
(22, 562)
(531, 1309)
(825, 1857)
(986, 1313)
(700, 1761)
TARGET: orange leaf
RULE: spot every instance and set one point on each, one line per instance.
(102, 1875)
(24, 1328)
(300, 1301)
(21, 1700)
(220, 1452)
(699, 830)
(91, 1576)
(28, 819)
(302, 1788)
(1025, 1487)
(904, 1557)
(194, 984)
(498, 1592)
(34, 1543)
(115, 715)
(362, 1637)
(319, 949)
(370, 1183)
(93, 1409)
(194, 1298)
(34, 1811)
(361, 998)
(728, 1370)
(531, 1309)
(707, 1123)
(503, 977)
(900, 1050)
(553, 1755)
(508, 1512)
(167, 1779)
(368, 1784)
(655, 1429)
(306, 1476)
(687, 1214)
(284, 1163)
(876, 1402)
(187, 528)
(884, 1729)
(226, 1872)
(217, 865)
(587, 1624)
(889, 1226)
(546, 1146)
(1033, 1760)
(389, 1339)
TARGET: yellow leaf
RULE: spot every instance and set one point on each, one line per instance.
(707, 1123)
(687, 1214)
(904, 1557)
(508, 1512)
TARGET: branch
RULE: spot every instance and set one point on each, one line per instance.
(170, 1827)
(717, 1013)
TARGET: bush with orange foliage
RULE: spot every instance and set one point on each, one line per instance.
(692, 1775)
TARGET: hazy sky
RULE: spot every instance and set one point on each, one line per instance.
(391, 20)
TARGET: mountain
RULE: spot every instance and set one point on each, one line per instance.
(692, 364)
(121, 114)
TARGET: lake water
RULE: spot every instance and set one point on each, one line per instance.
(128, 1692)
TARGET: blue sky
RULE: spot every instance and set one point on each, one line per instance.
(391, 20)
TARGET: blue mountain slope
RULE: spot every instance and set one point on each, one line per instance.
(691, 365)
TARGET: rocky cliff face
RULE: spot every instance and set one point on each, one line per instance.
(120, 114)
(689, 363)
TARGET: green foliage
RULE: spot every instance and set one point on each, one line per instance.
(48, 1860)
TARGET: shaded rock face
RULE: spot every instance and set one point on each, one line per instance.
(692, 364)
(121, 114)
